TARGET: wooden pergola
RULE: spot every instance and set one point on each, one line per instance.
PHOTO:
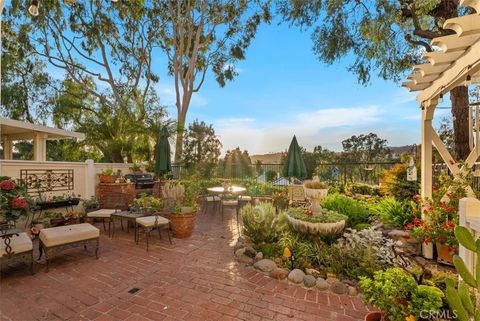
(457, 59)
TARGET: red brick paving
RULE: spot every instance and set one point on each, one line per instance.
(193, 279)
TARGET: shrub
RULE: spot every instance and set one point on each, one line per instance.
(356, 211)
(316, 185)
(393, 212)
(262, 224)
(363, 189)
(326, 216)
(394, 183)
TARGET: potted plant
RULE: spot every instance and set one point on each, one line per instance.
(185, 214)
(326, 222)
(51, 219)
(73, 218)
(107, 176)
(135, 168)
(149, 204)
(14, 200)
(399, 296)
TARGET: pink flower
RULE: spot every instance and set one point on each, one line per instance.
(19, 202)
(7, 185)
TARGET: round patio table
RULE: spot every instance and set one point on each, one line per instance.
(222, 190)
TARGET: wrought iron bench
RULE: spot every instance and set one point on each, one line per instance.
(61, 237)
(15, 246)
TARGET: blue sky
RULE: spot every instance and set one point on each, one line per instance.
(284, 90)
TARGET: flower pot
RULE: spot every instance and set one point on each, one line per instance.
(109, 179)
(444, 255)
(316, 228)
(57, 221)
(182, 224)
(374, 316)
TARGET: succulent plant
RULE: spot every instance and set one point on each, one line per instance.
(463, 300)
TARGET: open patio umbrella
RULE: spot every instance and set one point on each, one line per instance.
(163, 163)
(294, 165)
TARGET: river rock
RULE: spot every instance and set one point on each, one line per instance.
(279, 273)
(322, 284)
(309, 281)
(245, 259)
(259, 256)
(265, 265)
(240, 252)
(296, 276)
(250, 251)
(314, 273)
(339, 288)
(352, 291)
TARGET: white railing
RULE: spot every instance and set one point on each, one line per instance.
(469, 211)
(85, 178)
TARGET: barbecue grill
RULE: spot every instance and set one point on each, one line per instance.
(141, 180)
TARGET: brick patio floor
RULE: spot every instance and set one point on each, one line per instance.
(193, 279)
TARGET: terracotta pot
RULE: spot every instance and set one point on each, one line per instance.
(375, 316)
(444, 255)
(182, 225)
(110, 179)
(57, 221)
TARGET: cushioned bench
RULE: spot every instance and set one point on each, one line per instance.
(148, 223)
(66, 236)
(21, 250)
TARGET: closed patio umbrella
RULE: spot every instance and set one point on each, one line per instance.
(163, 163)
(294, 164)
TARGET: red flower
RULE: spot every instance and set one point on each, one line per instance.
(416, 198)
(449, 225)
(441, 238)
(452, 249)
(450, 209)
(19, 202)
(426, 239)
(308, 213)
(7, 185)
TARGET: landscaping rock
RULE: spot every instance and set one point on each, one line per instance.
(322, 284)
(309, 281)
(245, 259)
(279, 273)
(265, 265)
(296, 276)
(259, 256)
(241, 239)
(250, 251)
(352, 291)
(332, 279)
(240, 252)
(339, 288)
(238, 246)
(396, 234)
(314, 273)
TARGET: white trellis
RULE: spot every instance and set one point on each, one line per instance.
(457, 60)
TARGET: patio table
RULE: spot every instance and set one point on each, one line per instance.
(231, 189)
(129, 216)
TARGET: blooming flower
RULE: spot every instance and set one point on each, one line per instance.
(19, 203)
(7, 185)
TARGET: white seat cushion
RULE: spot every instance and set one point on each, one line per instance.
(229, 202)
(245, 198)
(149, 221)
(212, 199)
(21, 243)
(103, 213)
(59, 235)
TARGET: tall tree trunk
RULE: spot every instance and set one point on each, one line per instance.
(460, 103)
(117, 156)
(179, 139)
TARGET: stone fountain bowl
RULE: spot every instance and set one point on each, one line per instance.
(316, 229)
(316, 194)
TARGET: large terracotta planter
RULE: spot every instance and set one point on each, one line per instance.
(109, 179)
(315, 229)
(444, 255)
(375, 316)
(183, 224)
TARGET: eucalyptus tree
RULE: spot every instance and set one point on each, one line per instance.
(384, 36)
(203, 35)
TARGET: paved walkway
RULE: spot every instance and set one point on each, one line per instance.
(193, 279)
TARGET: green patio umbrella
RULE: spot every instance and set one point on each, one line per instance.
(163, 163)
(294, 165)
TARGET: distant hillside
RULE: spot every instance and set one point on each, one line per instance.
(272, 158)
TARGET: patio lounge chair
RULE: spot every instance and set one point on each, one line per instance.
(149, 223)
(113, 202)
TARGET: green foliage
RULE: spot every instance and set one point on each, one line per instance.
(270, 176)
(392, 212)
(148, 201)
(236, 164)
(464, 299)
(397, 294)
(262, 224)
(15, 201)
(353, 188)
(356, 211)
(365, 148)
(201, 149)
(326, 216)
(394, 183)
(253, 187)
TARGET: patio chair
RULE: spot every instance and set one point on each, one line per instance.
(149, 223)
(213, 201)
(113, 202)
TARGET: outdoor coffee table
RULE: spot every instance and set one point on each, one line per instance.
(129, 216)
